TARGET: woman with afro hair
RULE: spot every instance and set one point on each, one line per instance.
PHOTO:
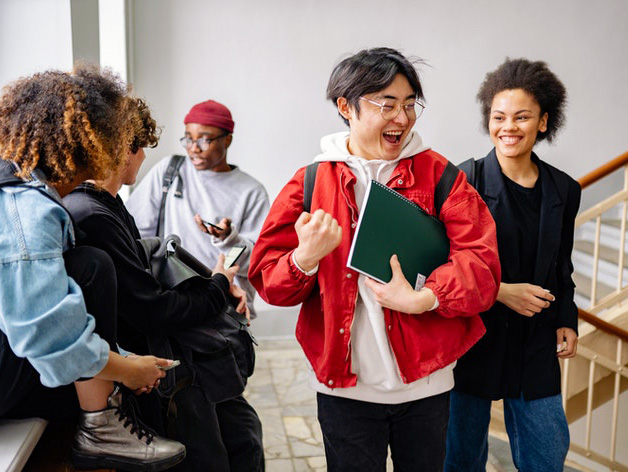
(533, 324)
(58, 350)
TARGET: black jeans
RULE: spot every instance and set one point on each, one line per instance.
(21, 393)
(218, 437)
(357, 434)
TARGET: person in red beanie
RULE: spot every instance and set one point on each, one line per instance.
(224, 435)
(212, 205)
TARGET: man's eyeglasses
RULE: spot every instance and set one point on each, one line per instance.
(203, 143)
(390, 110)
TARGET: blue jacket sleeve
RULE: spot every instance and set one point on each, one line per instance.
(42, 311)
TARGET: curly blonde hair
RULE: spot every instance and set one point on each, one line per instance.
(66, 123)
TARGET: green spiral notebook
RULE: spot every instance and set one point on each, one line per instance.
(390, 224)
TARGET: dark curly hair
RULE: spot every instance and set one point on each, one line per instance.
(144, 128)
(368, 71)
(66, 123)
(535, 78)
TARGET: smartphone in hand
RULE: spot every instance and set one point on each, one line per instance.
(232, 256)
(208, 225)
(174, 364)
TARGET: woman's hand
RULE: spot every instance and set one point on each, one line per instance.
(219, 268)
(566, 343)
(142, 374)
(319, 234)
(240, 296)
(525, 299)
(399, 295)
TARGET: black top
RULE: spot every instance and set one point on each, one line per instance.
(526, 206)
(144, 307)
(535, 231)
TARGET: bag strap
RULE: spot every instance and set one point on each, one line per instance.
(308, 185)
(468, 167)
(443, 187)
(172, 171)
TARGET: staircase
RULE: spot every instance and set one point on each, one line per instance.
(595, 382)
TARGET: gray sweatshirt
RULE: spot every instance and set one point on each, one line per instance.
(213, 195)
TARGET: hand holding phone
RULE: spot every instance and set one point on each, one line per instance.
(174, 364)
(232, 256)
(207, 223)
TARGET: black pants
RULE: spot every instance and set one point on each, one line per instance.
(21, 393)
(357, 434)
(218, 437)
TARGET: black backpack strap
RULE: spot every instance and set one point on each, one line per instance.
(443, 187)
(468, 167)
(172, 171)
(308, 185)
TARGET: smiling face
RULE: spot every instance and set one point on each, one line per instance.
(215, 157)
(372, 137)
(514, 121)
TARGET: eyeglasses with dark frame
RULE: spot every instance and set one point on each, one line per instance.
(413, 110)
(202, 143)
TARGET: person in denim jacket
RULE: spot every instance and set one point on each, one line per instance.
(56, 130)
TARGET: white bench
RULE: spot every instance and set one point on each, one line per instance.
(17, 440)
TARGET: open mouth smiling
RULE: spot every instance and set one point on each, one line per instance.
(393, 137)
(510, 139)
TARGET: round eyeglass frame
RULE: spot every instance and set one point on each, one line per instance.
(391, 115)
(202, 143)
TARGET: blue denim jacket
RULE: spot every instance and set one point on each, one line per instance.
(42, 311)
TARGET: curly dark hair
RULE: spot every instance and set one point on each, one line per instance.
(368, 71)
(535, 78)
(66, 123)
(144, 128)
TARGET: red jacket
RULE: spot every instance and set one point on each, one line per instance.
(466, 285)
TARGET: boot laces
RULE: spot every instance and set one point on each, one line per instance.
(127, 411)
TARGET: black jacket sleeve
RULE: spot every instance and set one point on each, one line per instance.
(142, 302)
(567, 310)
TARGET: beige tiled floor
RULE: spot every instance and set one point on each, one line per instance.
(287, 407)
(286, 404)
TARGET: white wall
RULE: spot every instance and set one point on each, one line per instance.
(34, 35)
(270, 61)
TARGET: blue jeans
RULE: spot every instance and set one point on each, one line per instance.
(357, 434)
(537, 431)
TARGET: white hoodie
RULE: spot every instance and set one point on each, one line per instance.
(372, 358)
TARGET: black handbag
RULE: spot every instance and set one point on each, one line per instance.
(222, 355)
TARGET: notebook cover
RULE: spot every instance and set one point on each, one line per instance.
(391, 224)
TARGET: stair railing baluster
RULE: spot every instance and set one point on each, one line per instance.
(596, 259)
(616, 393)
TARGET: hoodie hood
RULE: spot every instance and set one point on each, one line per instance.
(334, 147)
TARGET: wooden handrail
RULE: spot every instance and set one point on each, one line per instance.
(602, 325)
(604, 170)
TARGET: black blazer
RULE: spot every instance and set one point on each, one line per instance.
(518, 354)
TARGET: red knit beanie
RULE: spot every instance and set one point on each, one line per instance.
(210, 113)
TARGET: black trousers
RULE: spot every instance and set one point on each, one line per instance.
(21, 393)
(221, 437)
(357, 434)
(218, 437)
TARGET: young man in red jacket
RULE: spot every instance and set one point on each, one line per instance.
(382, 355)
